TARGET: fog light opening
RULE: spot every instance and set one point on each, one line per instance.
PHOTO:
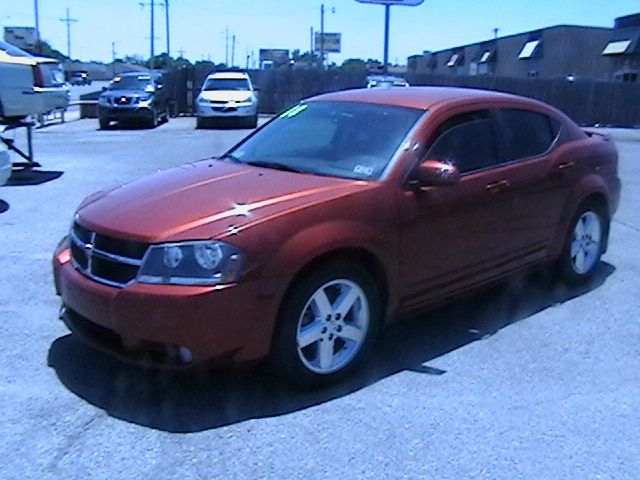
(185, 355)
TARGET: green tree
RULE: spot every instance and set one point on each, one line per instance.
(354, 64)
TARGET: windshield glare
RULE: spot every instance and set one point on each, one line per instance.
(226, 84)
(341, 139)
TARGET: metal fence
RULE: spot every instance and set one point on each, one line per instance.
(587, 102)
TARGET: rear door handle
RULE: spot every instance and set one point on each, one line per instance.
(564, 166)
(497, 187)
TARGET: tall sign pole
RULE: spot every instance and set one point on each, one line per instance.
(387, 14)
(38, 45)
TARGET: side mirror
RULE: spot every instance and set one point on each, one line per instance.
(104, 89)
(437, 173)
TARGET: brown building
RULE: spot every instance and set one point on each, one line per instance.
(562, 51)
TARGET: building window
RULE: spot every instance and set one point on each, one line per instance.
(616, 48)
(485, 56)
(529, 50)
(454, 60)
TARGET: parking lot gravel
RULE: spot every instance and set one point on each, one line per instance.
(526, 380)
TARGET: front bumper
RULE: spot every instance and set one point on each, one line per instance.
(209, 110)
(154, 323)
(125, 112)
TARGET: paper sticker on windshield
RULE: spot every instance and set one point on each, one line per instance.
(363, 170)
(293, 111)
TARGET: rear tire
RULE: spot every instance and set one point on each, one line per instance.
(327, 324)
(584, 244)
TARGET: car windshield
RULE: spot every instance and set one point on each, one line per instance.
(341, 139)
(226, 84)
(140, 82)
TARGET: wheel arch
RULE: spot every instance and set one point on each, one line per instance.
(361, 256)
(589, 189)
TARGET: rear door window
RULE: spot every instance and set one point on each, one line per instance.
(526, 134)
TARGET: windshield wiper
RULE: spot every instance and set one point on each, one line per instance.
(230, 156)
(275, 165)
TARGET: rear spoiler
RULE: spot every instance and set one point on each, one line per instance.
(593, 133)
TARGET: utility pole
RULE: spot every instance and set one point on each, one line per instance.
(226, 46)
(68, 21)
(113, 52)
(233, 50)
(166, 21)
(152, 36)
(311, 49)
(35, 9)
(322, 34)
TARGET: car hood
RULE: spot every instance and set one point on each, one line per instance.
(226, 95)
(204, 200)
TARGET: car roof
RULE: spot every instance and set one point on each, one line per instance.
(229, 75)
(422, 98)
(148, 75)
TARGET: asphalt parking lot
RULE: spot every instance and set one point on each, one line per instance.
(527, 380)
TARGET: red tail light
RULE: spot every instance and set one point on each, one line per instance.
(38, 80)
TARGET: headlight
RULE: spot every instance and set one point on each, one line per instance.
(191, 263)
(103, 100)
(203, 101)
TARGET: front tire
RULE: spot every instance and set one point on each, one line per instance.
(327, 324)
(584, 246)
(104, 123)
(153, 121)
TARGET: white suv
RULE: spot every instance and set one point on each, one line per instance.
(227, 95)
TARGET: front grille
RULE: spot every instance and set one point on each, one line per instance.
(109, 260)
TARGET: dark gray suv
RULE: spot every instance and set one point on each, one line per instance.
(134, 97)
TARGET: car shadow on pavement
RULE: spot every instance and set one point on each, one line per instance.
(28, 176)
(200, 400)
(4, 206)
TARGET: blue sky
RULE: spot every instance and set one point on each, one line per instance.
(198, 26)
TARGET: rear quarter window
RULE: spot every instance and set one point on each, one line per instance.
(526, 134)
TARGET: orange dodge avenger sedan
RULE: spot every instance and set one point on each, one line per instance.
(299, 244)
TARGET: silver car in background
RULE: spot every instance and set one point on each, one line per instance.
(227, 95)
